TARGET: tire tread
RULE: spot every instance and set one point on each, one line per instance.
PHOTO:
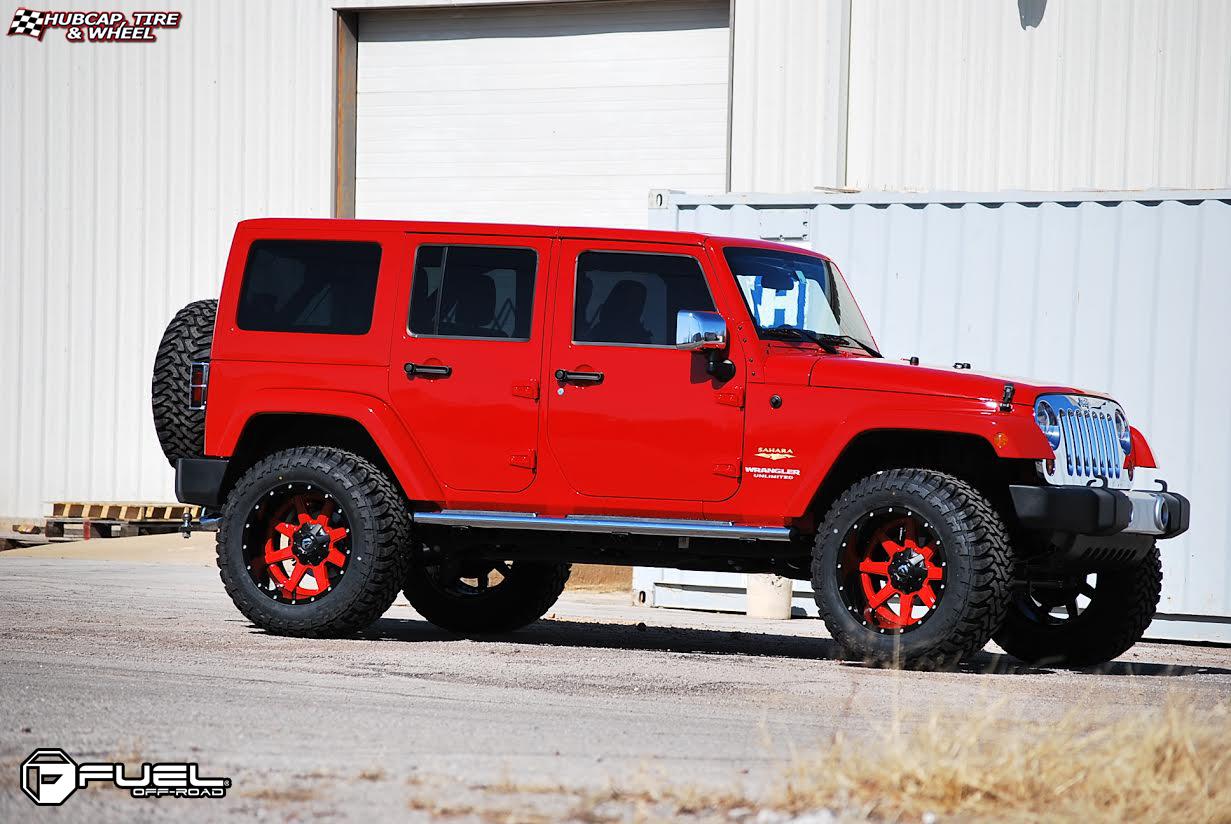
(981, 529)
(383, 516)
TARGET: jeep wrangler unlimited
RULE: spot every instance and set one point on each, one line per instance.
(459, 411)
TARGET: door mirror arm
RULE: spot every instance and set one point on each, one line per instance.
(719, 366)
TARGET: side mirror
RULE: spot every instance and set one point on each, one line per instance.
(700, 331)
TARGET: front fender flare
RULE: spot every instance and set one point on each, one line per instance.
(1022, 439)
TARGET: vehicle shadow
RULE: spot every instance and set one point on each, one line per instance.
(650, 638)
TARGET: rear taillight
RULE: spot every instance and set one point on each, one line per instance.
(198, 385)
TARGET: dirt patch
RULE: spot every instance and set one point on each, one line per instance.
(600, 578)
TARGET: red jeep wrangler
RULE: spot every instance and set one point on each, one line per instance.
(458, 411)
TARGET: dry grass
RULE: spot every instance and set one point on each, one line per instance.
(1169, 765)
(1173, 764)
(600, 578)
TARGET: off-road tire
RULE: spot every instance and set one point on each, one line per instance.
(1118, 615)
(181, 431)
(977, 578)
(526, 596)
(379, 534)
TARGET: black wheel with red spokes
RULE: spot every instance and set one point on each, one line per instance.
(911, 568)
(296, 542)
(892, 569)
(313, 542)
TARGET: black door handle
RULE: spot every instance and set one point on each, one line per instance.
(565, 376)
(427, 370)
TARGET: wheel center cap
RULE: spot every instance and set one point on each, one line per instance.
(310, 544)
(907, 571)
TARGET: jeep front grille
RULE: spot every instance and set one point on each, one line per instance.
(1093, 450)
(1089, 447)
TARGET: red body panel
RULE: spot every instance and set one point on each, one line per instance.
(1141, 454)
(657, 438)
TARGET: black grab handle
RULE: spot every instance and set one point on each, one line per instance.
(427, 370)
(565, 376)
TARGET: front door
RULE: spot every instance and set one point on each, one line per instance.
(629, 415)
(464, 372)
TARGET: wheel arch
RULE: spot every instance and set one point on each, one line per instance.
(965, 455)
(264, 433)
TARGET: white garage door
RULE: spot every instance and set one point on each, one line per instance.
(564, 113)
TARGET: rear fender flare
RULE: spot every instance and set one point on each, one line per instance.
(395, 443)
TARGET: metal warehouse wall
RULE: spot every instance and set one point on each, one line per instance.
(1127, 295)
(125, 168)
(1095, 94)
(981, 95)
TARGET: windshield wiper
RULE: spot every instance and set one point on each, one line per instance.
(847, 339)
(829, 343)
(802, 334)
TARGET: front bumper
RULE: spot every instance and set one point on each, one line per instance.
(1100, 512)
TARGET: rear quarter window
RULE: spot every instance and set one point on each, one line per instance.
(323, 287)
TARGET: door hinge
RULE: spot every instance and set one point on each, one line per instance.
(524, 459)
(528, 389)
(731, 397)
(727, 470)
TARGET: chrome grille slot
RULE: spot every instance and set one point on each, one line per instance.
(1089, 447)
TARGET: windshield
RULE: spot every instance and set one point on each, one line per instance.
(799, 291)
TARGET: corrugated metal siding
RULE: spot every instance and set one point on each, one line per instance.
(789, 94)
(125, 169)
(1131, 297)
(1100, 94)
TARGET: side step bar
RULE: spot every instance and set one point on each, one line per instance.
(600, 523)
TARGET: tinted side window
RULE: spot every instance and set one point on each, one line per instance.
(473, 292)
(634, 298)
(320, 286)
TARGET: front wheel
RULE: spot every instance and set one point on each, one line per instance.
(911, 568)
(480, 597)
(1082, 620)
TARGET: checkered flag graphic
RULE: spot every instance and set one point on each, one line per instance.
(28, 22)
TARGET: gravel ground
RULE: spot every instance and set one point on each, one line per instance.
(142, 661)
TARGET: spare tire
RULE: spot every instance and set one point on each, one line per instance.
(181, 430)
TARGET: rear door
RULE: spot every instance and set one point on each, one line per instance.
(629, 415)
(464, 371)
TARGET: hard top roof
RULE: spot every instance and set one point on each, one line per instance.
(298, 224)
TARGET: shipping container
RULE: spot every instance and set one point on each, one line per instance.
(1124, 292)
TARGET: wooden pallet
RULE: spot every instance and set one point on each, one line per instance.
(121, 511)
(84, 520)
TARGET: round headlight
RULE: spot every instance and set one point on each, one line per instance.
(1048, 421)
(1123, 433)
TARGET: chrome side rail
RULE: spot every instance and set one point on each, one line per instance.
(603, 524)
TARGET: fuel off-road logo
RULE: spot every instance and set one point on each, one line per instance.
(50, 776)
(95, 26)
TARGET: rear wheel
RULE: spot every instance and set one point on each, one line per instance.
(313, 542)
(911, 568)
(1084, 619)
(478, 597)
